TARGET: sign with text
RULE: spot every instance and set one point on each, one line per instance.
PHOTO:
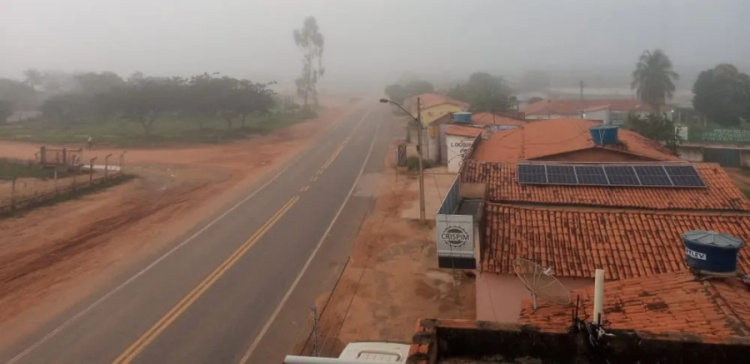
(454, 235)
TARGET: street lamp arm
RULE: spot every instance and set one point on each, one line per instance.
(400, 107)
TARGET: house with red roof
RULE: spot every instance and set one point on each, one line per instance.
(609, 112)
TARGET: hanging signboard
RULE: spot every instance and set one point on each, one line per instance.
(455, 241)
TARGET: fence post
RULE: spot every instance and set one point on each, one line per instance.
(106, 164)
(42, 155)
(55, 182)
(315, 348)
(13, 194)
(65, 156)
(91, 170)
(122, 162)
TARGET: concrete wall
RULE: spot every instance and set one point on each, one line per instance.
(594, 155)
(455, 146)
(690, 154)
(499, 296)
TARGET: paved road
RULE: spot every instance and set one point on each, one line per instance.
(239, 288)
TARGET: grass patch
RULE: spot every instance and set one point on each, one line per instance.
(747, 194)
(9, 170)
(125, 133)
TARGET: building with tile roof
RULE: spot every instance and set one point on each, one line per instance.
(549, 109)
(438, 341)
(575, 242)
(502, 186)
(714, 309)
(567, 139)
(434, 106)
(492, 118)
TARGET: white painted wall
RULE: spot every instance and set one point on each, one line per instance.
(602, 115)
(456, 147)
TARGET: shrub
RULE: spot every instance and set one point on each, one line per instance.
(412, 163)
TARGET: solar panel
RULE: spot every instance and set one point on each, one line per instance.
(532, 174)
(591, 175)
(653, 176)
(621, 176)
(564, 175)
(684, 176)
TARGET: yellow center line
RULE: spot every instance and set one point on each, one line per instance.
(133, 350)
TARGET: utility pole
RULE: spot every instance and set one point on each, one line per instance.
(582, 107)
(421, 168)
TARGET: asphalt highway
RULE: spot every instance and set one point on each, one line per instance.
(238, 288)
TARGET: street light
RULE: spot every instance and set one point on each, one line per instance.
(418, 121)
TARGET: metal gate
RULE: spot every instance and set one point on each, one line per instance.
(725, 157)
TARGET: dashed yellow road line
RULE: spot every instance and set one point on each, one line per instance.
(304, 189)
(133, 350)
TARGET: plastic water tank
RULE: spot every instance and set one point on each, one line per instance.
(604, 134)
(462, 117)
(711, 251)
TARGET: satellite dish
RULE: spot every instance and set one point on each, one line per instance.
(540, 282)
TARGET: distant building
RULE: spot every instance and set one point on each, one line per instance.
(567, 139)
(608, 111)
(434, 106)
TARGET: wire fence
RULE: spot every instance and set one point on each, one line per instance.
(18, 192)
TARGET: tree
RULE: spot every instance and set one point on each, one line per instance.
(722, 94)
(34, 78)
(654, 126)
(418, 87)
(68, 108)
(534, 99)
(396, 93)
(145, 100)
(21, 95)
(6, 110)
(92, 83)
(484, 92)
(653, 78)
(311, 43)
(535, 81)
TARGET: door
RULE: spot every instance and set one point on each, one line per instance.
(725, 157)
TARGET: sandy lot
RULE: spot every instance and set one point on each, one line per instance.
(392, 278)
(51, 257)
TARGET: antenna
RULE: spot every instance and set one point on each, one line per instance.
(540, 282)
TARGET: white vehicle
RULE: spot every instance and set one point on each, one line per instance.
(359, 353)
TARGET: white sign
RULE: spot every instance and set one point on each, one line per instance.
(696, 255)
(455, 236)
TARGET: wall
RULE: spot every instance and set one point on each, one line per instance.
(433, 144)
(431, 114)
(690, 154)
(456, 145)
(499, 296)
(594, 155)
(603, 115)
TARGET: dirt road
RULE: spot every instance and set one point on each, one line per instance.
(52, 257)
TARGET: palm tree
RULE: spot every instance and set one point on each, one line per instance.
(654, 78)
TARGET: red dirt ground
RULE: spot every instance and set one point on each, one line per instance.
(52, 257)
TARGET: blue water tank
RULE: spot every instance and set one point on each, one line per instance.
(711, 251)
(604, 134)
(462, 117)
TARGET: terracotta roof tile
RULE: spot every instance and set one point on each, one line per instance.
(664, 303)
(466, 131)
(429, 100)
(488, 118)
(575, 243)
(574, 107)
(557, 136)
(503, 186)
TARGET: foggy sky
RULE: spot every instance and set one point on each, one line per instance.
(373, 39)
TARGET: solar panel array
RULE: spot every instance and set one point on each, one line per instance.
(620, 175)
